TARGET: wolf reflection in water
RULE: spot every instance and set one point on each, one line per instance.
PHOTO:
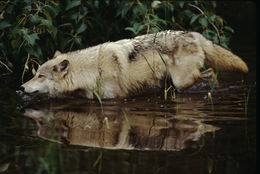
(137, 132)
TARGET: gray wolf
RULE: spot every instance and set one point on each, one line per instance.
(114, 69)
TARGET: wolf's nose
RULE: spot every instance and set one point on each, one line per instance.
(21, 88)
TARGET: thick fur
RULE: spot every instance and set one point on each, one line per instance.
(114, 69)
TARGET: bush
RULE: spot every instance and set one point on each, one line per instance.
(31, 30)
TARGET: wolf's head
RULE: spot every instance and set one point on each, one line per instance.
(48, 75)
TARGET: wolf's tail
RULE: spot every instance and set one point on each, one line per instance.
(220, 58)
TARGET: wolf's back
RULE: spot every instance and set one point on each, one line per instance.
(219, 57)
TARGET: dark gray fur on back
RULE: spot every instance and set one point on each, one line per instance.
(156, 41)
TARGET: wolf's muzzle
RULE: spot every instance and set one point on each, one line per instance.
(21, 91)
(21, 88)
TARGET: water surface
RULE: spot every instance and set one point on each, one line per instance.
(142, 134)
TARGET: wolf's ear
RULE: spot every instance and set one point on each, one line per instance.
(63, 67)
(57, 52)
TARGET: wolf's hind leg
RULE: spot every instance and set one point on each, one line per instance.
(185, 73)
(210, 74)
(187, 62)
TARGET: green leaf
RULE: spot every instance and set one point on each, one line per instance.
(171, 7)
(225, 46)
(54, 11)
(140, 9)
(203, 21)
(78, 40)
(155, 29)
(137, 27)
(206, 34)
(130, 29)
(181, 3)
(47, 23)
(83, 13)
(4, 24)
(212, 18)
(66, 25)
(35, 19)
(188, 13)
(228, 28)
(219, 21)
(95, 3)
(193, 19)
(224, 39)
(73, 15)
(27, 8)
(31, 38)
(47, 15)
(82, 28)
(215, 39)
(72, 4)
(34, 51)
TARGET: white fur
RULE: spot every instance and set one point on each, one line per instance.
(113, 69)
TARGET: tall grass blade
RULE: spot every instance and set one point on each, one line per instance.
(212, 87)
(150, 66)
(127, 121)
(98, 159)
(246, 100)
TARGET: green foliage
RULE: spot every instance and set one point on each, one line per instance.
(31, 30)
(147, 17)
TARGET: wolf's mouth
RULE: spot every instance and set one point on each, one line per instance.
(22, 92)
(27, 96)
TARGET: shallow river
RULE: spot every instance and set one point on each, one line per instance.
(143, 134)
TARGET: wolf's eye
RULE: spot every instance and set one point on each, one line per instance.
(41, 76)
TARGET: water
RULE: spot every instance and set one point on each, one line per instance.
(141, 134)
